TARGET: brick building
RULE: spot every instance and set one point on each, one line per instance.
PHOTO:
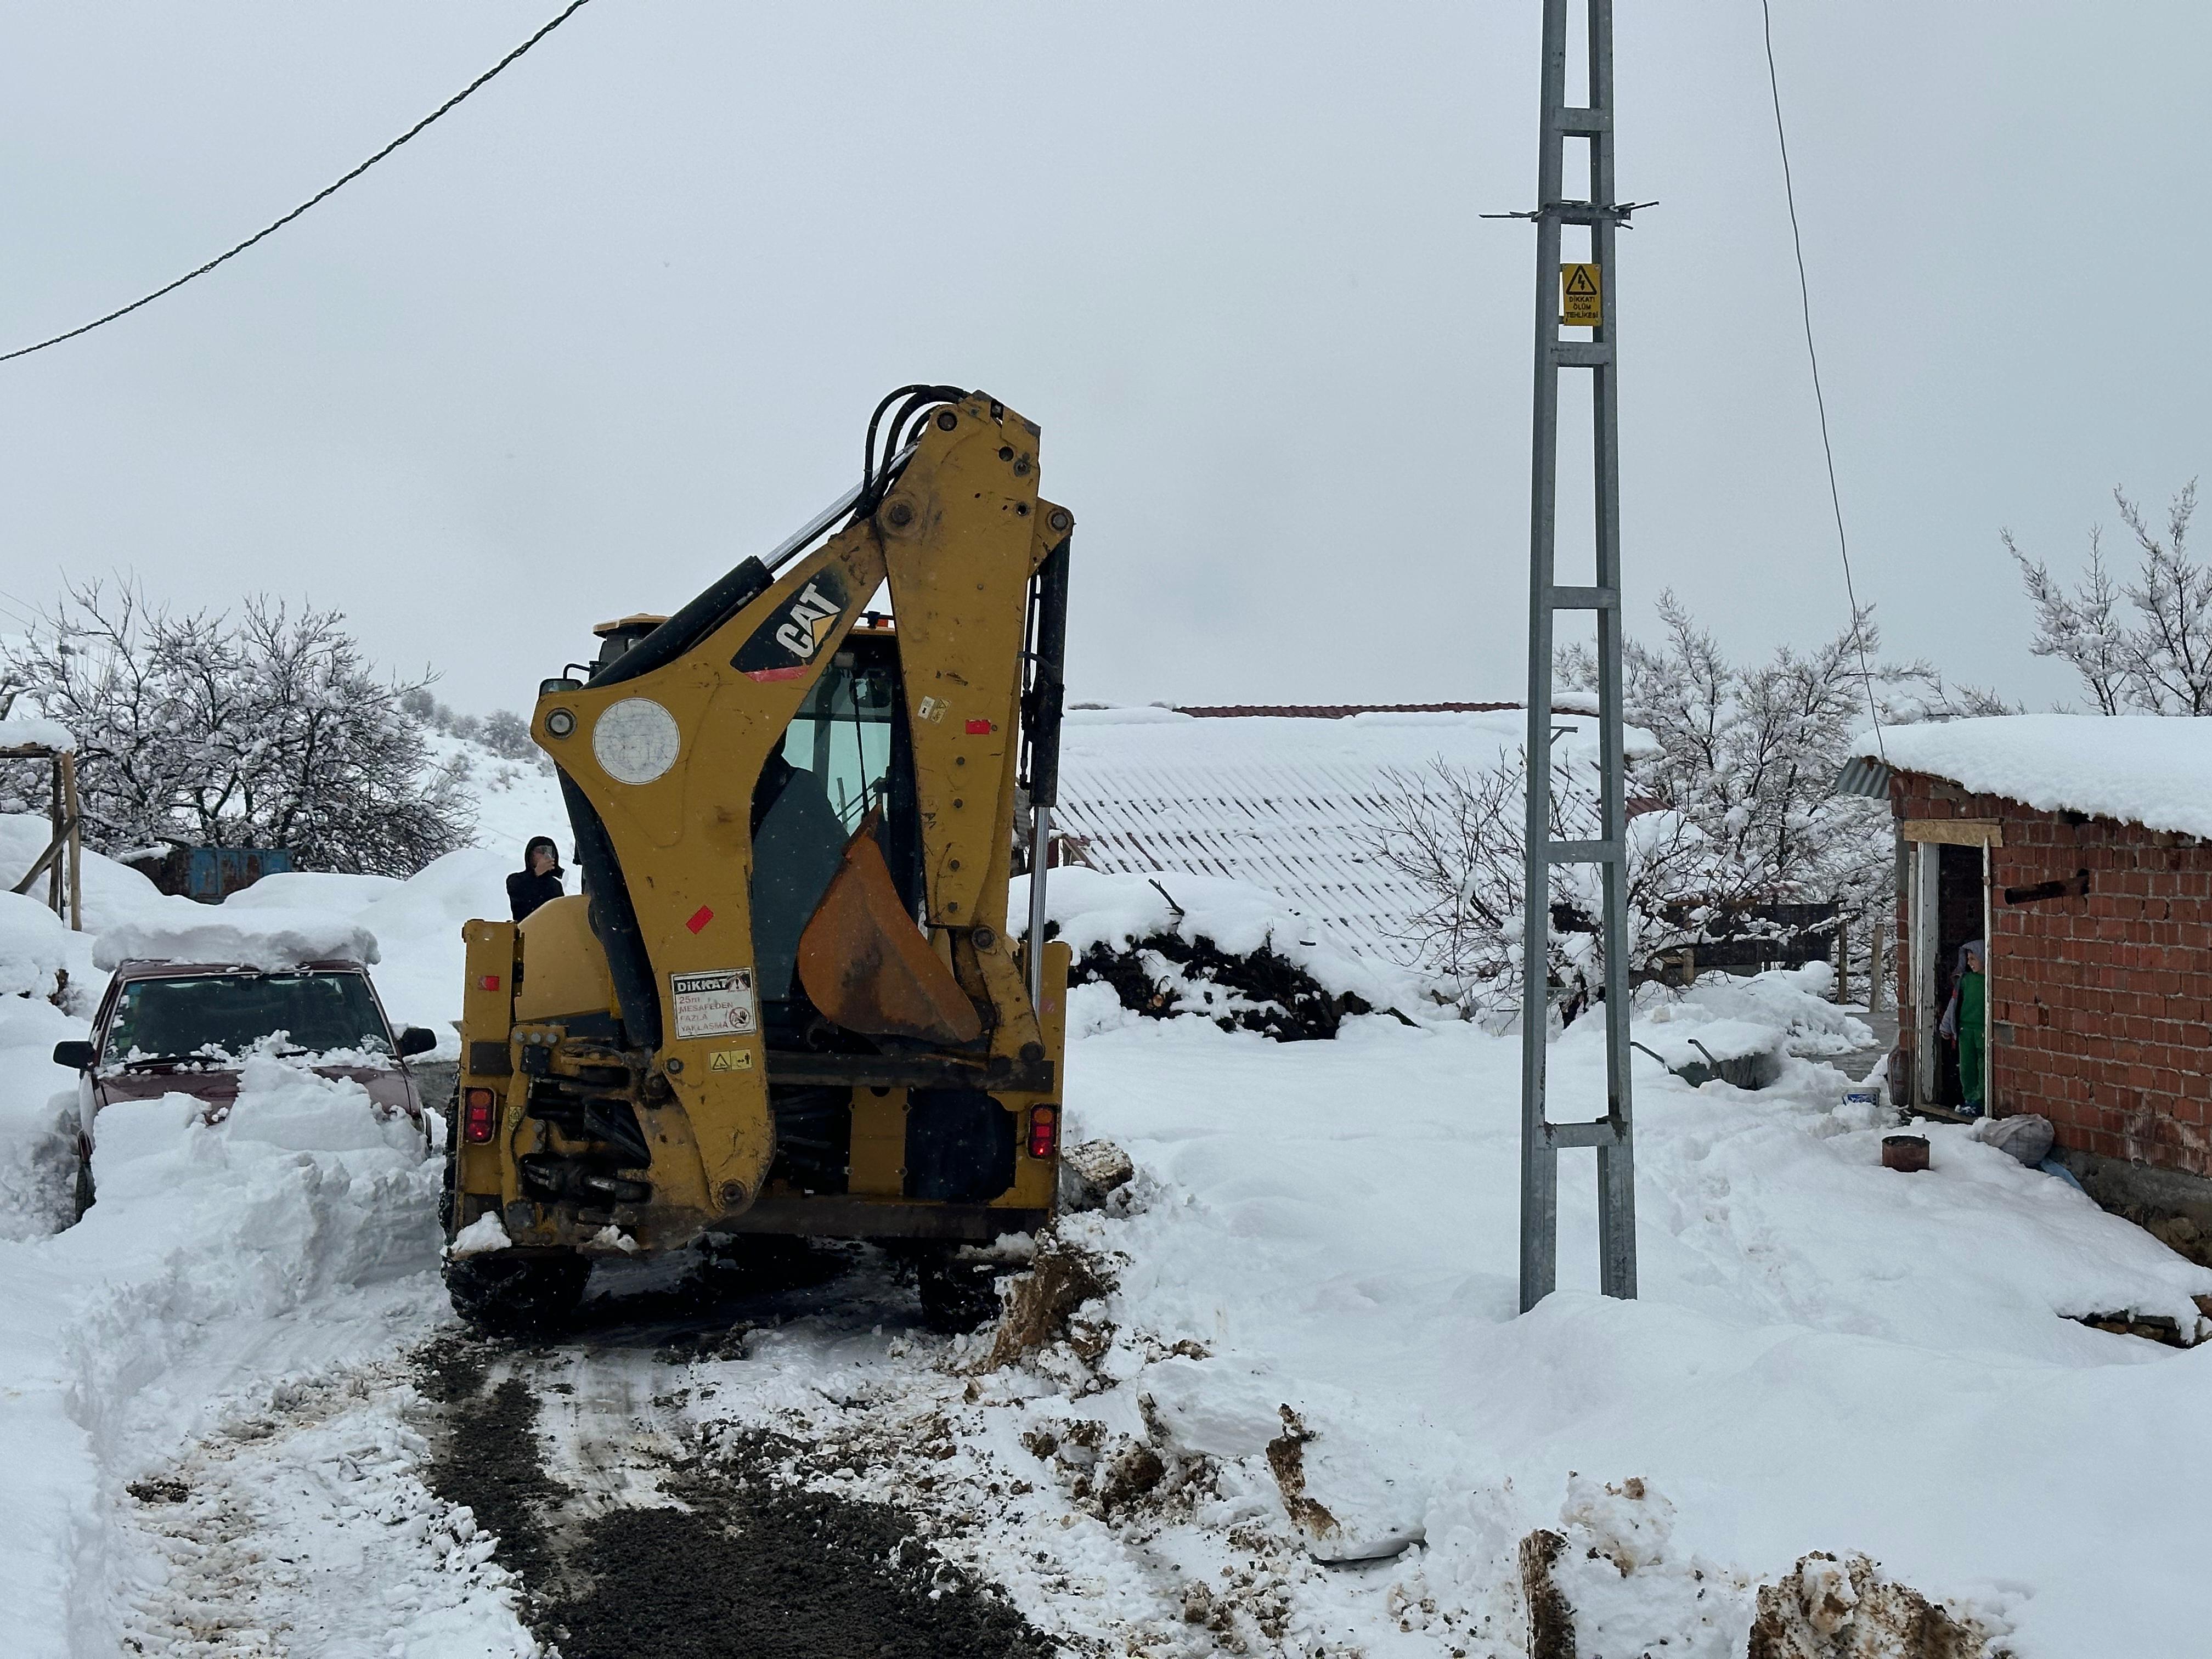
(2080, 848)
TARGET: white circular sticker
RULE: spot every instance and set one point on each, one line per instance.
(636, 740)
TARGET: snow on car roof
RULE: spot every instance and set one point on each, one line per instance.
(2149, 770)
(265, 938)
(162, 968)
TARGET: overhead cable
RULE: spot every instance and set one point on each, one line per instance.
(1805, 304)
(270, 230)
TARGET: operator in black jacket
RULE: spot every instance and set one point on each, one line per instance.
(539, 878)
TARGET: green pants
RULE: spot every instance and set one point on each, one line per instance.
(1970, 1063)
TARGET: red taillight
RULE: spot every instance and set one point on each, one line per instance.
(490, 981)
(479, 1114)
(1044, 1131)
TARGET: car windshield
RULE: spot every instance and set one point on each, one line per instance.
(217, 1016)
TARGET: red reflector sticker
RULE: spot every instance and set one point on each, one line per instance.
(700, 918)
(979, 728)
(491, 981)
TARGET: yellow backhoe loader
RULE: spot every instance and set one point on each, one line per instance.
(785, 1002)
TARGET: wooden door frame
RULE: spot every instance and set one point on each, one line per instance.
(1924, 875)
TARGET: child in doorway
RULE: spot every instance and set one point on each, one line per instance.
(1965, 1024)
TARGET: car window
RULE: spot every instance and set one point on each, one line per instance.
(216, 1016)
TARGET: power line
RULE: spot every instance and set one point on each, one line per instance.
(573, 7)
(1805, 303)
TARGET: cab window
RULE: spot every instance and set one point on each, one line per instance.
(842, 736)
(844, 754)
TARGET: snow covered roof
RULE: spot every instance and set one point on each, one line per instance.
(25, 731)
(1286, 803)
(2149, 770)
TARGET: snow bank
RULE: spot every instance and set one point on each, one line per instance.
(1784, 1009)
(2139, 768)
(34, 947)
(218, 1256)
(38, 1118)
(113, 892)
(1091, 909)
(312, 890)
(38, 1101)
(1090, 906)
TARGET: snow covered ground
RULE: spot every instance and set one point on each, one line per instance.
(1303, 1303)
(227, 1303)
(1826, 1354)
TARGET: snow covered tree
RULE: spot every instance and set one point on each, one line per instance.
(1731, 806)
(1748, 752)
(266, 729)
(1459, 835)
(2144, 645)
(506, 734)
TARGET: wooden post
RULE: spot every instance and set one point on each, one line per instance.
(1843, 960)
(61, 832)
(68, 764)
(1874, 971)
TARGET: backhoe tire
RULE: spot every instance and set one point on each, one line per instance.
(504, 1295)
(957, 1295)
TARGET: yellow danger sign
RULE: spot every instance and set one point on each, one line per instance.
(730, 1060)
(1580, 299)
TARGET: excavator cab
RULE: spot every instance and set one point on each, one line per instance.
(845, 756)
(786, 1002)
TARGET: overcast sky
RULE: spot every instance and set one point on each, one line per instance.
(618, 321)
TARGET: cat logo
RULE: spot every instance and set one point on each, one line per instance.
(812, 615)
(730, 1060)
(785, 645)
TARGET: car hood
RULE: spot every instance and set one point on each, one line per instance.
(391, 1088)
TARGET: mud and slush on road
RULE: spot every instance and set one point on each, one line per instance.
(639, 1528)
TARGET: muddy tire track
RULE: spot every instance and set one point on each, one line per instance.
(753, 1566)
(669, 1544)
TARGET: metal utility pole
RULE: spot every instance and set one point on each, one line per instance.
(1580, 294)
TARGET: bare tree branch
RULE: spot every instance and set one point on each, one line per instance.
(269, 729)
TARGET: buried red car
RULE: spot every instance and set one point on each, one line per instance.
(186, 1028)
